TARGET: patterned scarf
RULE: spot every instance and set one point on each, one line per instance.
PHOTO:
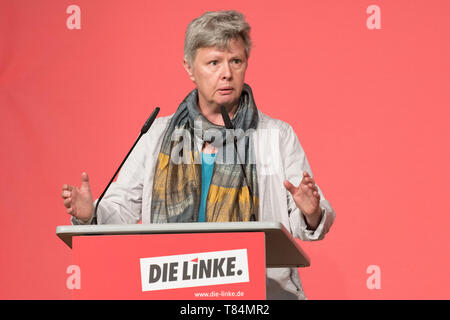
(177, 183)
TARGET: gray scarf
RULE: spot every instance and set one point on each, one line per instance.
(177, 183)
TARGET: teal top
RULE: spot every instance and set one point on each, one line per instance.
(207, 172)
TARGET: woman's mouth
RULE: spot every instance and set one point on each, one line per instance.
(226, 90)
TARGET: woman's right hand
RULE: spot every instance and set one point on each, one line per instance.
(78, 201)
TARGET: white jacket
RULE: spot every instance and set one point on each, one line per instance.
(279, 157)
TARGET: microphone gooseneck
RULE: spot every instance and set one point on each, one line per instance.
(144, 130)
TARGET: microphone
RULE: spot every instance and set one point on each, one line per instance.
(144, 130)
(229, 125)
(149, 122)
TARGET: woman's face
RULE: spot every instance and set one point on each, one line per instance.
(219, 74)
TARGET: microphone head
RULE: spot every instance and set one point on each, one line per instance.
(226, 118)
(149, 121)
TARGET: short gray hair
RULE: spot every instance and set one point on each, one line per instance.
(216, 28)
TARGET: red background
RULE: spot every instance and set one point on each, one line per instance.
(370, 107)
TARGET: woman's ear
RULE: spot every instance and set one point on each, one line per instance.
(189, 69)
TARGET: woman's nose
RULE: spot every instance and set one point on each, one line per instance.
(226, 72)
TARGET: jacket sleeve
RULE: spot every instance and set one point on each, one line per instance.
(295, 163)
(122, 203)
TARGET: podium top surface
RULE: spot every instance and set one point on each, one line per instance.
(282, 249)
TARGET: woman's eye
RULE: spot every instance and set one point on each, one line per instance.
(237, 61)
(213, 63)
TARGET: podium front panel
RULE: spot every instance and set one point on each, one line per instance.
(171, 266)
